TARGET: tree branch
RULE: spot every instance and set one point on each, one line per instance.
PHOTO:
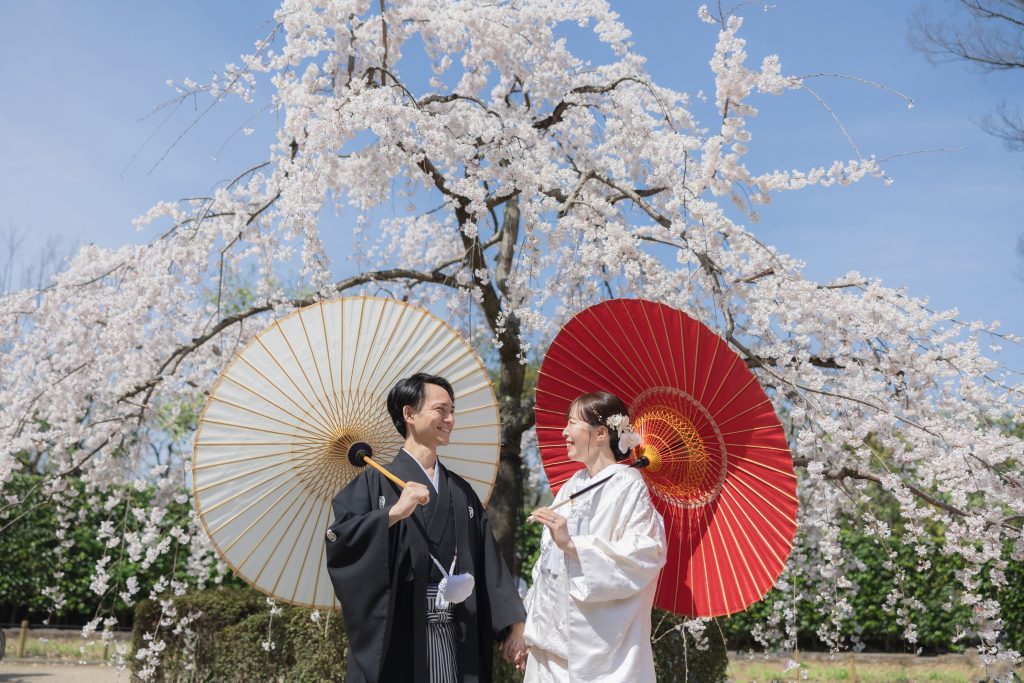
(558, 112)
(846, 471)
(981, 43)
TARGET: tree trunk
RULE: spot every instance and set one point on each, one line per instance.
(514, 408)
(516, 418)
(506, 499)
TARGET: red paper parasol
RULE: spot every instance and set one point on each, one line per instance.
(722, 476)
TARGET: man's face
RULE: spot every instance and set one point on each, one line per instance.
(432, 424)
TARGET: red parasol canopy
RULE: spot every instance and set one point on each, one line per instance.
(722, 476)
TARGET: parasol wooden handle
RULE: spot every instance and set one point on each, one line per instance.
(360, 454)
(558, 505)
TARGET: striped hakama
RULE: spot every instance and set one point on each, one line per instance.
(442, 635)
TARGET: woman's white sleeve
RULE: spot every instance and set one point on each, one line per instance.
(625, 558)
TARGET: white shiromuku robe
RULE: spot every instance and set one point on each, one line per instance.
(589, 616)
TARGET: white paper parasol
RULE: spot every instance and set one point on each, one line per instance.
(271, 446)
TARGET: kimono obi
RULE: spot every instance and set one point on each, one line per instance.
(434, 614)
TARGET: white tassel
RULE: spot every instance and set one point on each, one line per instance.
(452, 588)
(441, 602)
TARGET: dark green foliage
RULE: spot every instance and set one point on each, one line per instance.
(503, 671)
(27, 547)
(676, 656)
(220, 609)
(934, 586)
(938, 622)
(527, 544)
(228, 644)
(303, 650)
(1011, 600)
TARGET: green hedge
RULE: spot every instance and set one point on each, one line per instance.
(677, 657)
(936, 587)
(229, 636)
(27, 549)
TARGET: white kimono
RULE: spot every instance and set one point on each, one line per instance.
(589, 616)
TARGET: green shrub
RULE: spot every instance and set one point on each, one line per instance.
(503, 671)
(229, 637)
(676, 656)
(936, 587)
(1012, 601)
(304, 651)
(27, 547)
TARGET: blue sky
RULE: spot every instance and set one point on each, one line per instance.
(80, 78)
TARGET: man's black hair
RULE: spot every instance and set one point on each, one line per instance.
(410, 392)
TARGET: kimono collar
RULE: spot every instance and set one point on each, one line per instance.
(435, 480)
(608, 471)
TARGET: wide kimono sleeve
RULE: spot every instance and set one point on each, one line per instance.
(358, 563)
(504, 604)
(624, 548)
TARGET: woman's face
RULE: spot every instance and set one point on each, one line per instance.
(581, 439)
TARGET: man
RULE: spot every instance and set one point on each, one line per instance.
(381, 552)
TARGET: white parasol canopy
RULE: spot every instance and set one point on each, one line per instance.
(271, 446)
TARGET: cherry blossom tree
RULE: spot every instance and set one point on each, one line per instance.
(530, 184)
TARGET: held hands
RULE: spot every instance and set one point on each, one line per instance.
(513, 648)
(557, 526)
(413, 494)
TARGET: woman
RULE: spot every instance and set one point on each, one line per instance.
(589, 610)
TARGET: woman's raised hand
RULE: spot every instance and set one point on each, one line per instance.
(557, 525)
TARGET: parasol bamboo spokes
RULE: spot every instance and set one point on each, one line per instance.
(272, 445)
